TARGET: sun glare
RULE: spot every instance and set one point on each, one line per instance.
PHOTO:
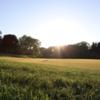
(60, 31)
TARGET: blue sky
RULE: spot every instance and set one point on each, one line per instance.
(53, 22)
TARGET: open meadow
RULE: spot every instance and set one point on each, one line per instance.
(49, 79)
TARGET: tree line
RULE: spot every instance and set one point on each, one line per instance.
(26, 45)
(78, 50)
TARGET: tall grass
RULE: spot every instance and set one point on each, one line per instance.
(27, 81)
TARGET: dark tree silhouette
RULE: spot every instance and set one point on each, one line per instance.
(95, 50)
(10, 44)
(27, 45)
(0, 41)
(98, 48)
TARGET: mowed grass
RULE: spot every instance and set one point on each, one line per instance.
(49, 79)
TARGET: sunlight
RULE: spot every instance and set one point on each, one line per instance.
(60, 31)
(63, 26)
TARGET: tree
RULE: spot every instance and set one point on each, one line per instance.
(98, 48)
(43, 52)
(29, 45)
(10, 44)
(84, 45)
(94, 47)
(0, 41)
(0, 33)
(83, 49)
(79, 50)
(95, 50)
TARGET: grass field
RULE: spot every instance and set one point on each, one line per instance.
(49, 79)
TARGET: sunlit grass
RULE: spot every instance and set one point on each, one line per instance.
(74, 63)
(49, 79)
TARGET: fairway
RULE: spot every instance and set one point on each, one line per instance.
(49, 79)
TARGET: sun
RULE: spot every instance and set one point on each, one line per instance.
(60, 31)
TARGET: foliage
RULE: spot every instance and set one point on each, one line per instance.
(9, 44)
(29, 45)
(25, 45)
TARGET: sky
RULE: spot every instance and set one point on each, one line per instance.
(53, 22)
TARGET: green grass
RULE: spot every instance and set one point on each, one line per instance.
(49, 79)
